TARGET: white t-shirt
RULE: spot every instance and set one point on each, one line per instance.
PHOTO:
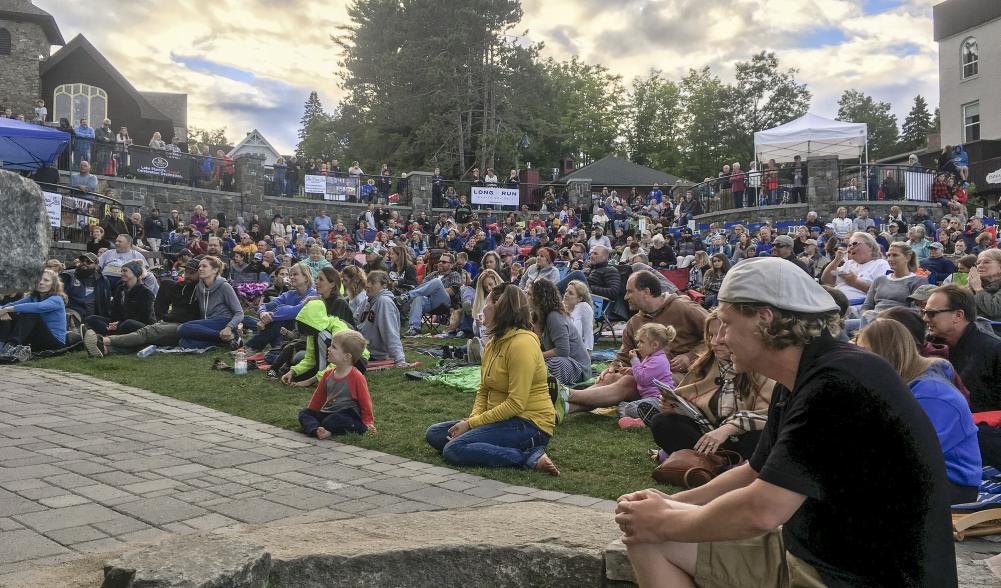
(842, 226)
(867, 272)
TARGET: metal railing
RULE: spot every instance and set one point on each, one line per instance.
(169, 165)
(760, 187)
(876, 182)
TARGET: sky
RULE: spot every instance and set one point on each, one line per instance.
(248, 64)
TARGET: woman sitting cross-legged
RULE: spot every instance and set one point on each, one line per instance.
(562, 346)
(930, 381)
(733, 407)
(513, 418)
(131, 305)
(220, 309)
(318, 327)
(281, 311)
(36, 322)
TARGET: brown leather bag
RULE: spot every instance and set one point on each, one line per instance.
(688, 468)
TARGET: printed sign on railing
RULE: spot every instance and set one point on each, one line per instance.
(332, 188)
(164, 164)
(495, 196)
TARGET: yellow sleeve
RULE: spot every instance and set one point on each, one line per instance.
(523, 352)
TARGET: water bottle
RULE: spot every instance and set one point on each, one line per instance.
(147, 351)
(240, 364)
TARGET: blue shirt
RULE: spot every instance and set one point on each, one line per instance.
(950, 414)
(52, 311)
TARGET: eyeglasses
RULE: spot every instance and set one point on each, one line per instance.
(933, 312)
(855, 244)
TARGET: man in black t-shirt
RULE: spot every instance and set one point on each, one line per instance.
(463, 212)
(847, 486)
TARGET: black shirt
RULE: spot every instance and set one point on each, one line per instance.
(853, 440)
(977, 357)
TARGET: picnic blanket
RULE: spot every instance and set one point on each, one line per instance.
(467, 378)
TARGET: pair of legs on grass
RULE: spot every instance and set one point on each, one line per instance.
(513, 443)
(609, 390)
(323, 425)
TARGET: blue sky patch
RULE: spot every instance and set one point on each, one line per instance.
(878, 6)
(210, 67)
(821, 37)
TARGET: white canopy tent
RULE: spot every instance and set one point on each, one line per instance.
(810, 136)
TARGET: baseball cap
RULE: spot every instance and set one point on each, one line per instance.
(88, 256)
(191, 264)
(775, 282)
(922, 293)
(184, 253)
(936, 245)
(258, 256)
(784, 240)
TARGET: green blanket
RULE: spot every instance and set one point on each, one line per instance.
(467, 378)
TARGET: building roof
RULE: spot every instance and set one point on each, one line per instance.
(256, 139)
(25, 11)
(80, 43)
(955, 16)
(616, 171)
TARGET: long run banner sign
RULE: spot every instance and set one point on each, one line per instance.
(495, 196)
(332, 188)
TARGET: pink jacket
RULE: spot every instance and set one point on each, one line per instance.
(654, 367)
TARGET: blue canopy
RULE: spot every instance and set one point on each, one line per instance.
(26, 146)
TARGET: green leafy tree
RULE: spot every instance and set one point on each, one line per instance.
(708, 130)
(855, 106)
(653, 131)
(316, 137)
(768, 96)
(211, 137)
(916, 126)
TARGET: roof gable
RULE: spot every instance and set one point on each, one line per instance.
(254, 139)
(617, 171)
(80, 43)
(25, 11)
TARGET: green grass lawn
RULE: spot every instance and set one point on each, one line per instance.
(595, 457)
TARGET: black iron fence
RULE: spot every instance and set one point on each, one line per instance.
(72, 211)
(168, 165)
(770, 186)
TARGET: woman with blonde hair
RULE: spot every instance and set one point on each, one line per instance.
(485, 283)
(931, 382)
(354, 279)
(578, 300)
(36, 322)
(892, 289)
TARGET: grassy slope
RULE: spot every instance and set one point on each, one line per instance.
(594, 456)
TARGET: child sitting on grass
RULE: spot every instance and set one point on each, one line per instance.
(649, 362)
(341, 403)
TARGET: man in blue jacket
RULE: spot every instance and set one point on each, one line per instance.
(89, 292)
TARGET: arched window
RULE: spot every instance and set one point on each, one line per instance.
(4, 42)
(76, 101)
(970, 56)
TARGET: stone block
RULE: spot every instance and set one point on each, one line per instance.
(12, 504)
(158, 511)
(617, 565)
(255, 510)
(25, 544)
(75, 535)
(64, 518)
(177, 561)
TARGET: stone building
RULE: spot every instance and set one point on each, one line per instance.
(27, 34)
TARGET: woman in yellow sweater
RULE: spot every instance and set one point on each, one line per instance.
(513, 417)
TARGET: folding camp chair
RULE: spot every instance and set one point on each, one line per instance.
(601, 319)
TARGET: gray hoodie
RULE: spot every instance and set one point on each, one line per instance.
(379, 322)
(219, 301)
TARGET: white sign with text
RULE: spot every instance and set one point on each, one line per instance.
(495, 196)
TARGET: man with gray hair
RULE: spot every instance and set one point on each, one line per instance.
(603, 279)
(793, 515)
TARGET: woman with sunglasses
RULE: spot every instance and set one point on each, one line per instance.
(854, 269)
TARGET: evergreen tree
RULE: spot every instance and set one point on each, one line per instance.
(855, 106)
(916, 126)
(315, 132)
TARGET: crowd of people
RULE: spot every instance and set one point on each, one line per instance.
(769, 335)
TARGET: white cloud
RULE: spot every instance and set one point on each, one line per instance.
(286, 47)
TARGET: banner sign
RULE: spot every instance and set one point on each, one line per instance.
(332, 188)
(495, 196)
(54, 208)
(162, 164)
(994, 177)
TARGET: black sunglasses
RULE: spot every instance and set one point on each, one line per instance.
(933, 312)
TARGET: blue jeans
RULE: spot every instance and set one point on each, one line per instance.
(426, 297)
(201, 333)
(269, 335)
(574, 275)
(738, 198)
(513, 443)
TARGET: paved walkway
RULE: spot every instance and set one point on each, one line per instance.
(87, 466)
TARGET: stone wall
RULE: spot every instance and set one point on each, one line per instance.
(20, 82)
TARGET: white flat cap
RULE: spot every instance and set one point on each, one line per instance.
(778, 283)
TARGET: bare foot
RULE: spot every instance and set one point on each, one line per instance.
(322, 433)
(547, 466)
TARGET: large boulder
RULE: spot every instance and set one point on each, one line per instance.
(24, 225)
(209, 561)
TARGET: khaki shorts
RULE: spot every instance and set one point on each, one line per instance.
(755, 563)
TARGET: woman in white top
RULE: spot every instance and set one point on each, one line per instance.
(600, 219)
(853, 270)
(842, 224)
(753, 183)
(578, 300)
(485, 283)
(157, 142)
(278, 227)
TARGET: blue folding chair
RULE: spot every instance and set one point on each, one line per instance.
(601, 320)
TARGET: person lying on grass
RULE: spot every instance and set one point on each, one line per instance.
(513, 418)
(341, 403)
